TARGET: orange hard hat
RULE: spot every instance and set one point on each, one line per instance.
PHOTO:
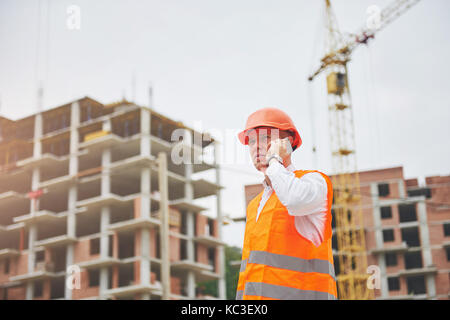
(270, 117)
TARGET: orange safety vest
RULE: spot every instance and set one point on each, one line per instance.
(278, 262)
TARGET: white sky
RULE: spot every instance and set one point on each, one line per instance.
(218, 61)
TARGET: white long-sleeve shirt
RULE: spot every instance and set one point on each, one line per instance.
(305, 198)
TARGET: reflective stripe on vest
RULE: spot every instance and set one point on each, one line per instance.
(290, 263)
(243, 265)
(239, 294)
(284, 293)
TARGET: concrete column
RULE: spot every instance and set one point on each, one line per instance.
(74, 137)
(145, 132)
(384, 290)
(37, 146)
(191, 284)
(145, 257)
(106, 125)
(104, 238)
(71, 220)
(104, 247)
(401, 188)
(145, 150)
(145, 192)
(35, 181)
(34, 207)
(376, 216)
(145, 267)
(106, 177)
(69, 261)
(32, 236)
(220, 251)
(105, 190)
(73, 191)
(190, 226)
(425, 245)
(71, 232)
(189, 195)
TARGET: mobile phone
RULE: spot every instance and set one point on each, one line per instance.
(289, 146)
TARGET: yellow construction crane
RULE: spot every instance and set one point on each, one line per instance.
(352, 276)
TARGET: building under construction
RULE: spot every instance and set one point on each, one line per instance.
(407, 233)
(79, 192)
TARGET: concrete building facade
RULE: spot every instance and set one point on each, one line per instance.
(79, 205)
(407, 233)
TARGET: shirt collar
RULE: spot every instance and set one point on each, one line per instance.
(290, 167)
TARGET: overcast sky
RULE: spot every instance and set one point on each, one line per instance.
(214, 62)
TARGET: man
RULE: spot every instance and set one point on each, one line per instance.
(287, 245)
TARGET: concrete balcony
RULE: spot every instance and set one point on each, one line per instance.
(9, 253)
(418, 271)
(42, 270)
(134, 162)
(44, 160)
(11, 198)
(209, 240)
(100, 140)
(33, 276)
(55, 133)
(99, 262)
(133, 289)
(109, 199)
(57, 241)
(204, 188)
(133, 224)
(191, 265)
(39, 216)
(207, 275)
(10, 170)
(185, 204)
(390, 249)
(57, 184)
(11, 227)
(10, 284)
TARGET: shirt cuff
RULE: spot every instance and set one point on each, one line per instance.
(273, 169)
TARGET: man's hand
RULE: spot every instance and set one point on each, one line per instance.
(280, 147)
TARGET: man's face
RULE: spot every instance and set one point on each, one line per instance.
(259, 140)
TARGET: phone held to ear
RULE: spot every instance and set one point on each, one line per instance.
(289, 146)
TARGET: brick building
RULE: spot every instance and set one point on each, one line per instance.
(407, 232)
(99, 209)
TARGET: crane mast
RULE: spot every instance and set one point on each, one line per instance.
(352, 273)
